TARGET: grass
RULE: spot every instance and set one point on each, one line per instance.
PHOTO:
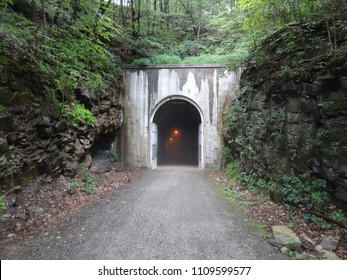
(260, 228)
(239, 204)
(174, 59)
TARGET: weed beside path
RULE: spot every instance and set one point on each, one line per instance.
(265, 214)
(42, 207)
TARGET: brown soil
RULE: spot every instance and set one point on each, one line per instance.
(57, 202)
(259, 206)
(60, 204)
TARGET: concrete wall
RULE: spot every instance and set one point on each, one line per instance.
(207, 87)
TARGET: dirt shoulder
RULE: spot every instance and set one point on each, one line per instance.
(45, 206)
(266, 214)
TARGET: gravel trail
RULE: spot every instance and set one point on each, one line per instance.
(167, 213)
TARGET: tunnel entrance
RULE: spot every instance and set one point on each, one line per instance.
(176, 134)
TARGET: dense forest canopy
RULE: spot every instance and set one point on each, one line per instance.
(145, 28)
(70, 43)
(74, 43)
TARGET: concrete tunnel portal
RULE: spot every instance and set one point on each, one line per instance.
(178, 123)
(173, 114)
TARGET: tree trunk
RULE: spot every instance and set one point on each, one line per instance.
(44, 22)
(122, 12)
(154, 17)
(199, 21)
(75, 8)
(133, 18)
(167, 12)
(138, 16)
(33, 9)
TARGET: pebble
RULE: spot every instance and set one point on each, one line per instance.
(21, 216)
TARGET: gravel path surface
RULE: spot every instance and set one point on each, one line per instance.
(167, 213)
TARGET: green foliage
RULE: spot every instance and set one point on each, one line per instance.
(78, 114)
(238, 58)
(72, 52)
(261, 228)
(339, 216)
(323, 224)
(233, 195)
(2, 108)
(113, 155)
(2, 203)
(254, 182)
(233, 171)
(303, 191)
(295, 255)
(142, 62)
(89, 183)
(166, 59)
(2, 206)
(73, 186)
(232, 119)
(174, 59)
(226, 154)
(206, 59)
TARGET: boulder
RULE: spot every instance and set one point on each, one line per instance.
(328, 243)
(307, 242)
(328, 255)
(285, 237)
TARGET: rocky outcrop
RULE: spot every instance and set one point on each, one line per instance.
(292, 114)
(288, 242)
(284, 236)
(35, 140)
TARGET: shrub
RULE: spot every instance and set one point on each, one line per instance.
(2, 108)
(233, 171)
(142, 62)
(89, 184)
(206, 59)
(79, 114)
(304, 191)
(175, 59)
(166, 59)
(113, 155)
(2, 204)
(73, 187)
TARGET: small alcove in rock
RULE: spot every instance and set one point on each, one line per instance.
(103, 153)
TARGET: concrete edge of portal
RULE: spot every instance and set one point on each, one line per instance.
(172, 66)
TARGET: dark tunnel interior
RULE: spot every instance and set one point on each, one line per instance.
(178, 128)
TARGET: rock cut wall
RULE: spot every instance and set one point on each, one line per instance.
(34, 141)
(292, 114)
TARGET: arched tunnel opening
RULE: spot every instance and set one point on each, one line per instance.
(178, 133)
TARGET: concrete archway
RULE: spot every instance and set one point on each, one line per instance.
(176, 132)
(149, 96)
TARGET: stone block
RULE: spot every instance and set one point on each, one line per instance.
(284, 236)
(307, 242)
(329, 243)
